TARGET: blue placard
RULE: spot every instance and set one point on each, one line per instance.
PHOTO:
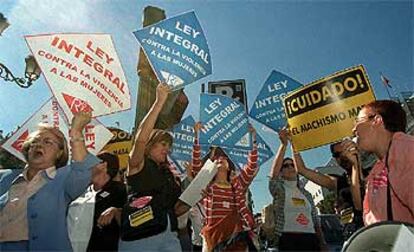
(268, 106)
(183, 140)
(225, 122)
(239, 156)
(177, 49)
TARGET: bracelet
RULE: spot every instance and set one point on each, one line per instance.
(77, 139)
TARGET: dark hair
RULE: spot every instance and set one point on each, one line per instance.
(216, 151)
(332, 147)
(287, 158)
(112, 162)
(393, 115)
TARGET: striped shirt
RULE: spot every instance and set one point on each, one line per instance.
(221, 200)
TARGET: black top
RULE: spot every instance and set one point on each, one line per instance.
(344, 198)
(156, 180)
(113, 194)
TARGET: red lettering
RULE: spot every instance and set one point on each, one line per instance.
(88, 60)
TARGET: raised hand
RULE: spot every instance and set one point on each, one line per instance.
(80, 120)
(252, 131)
(162, 92)
(197, 127)
(350, 151)
(284, 136)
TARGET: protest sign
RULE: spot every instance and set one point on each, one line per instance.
(120, 145)
(183, 140)
(83, 72)
(239, 156)
(192, 193)
(49, 114)
(225, 122)
(95, 134)
(268, 106)
(177, 50)
(324, 110)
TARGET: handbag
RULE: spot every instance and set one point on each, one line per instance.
(143, 217)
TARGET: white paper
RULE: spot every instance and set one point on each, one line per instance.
(192, 194)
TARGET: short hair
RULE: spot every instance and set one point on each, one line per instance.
(332, 148)
(112, 162)
(393, 115)
(287, 158)
(157, 135)
(62, 160)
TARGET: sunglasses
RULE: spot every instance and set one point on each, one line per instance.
(286, 165)
(336, 154)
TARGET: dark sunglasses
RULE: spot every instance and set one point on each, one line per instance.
(336, 154)
(287, 165)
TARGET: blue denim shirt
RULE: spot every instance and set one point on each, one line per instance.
(47, 208)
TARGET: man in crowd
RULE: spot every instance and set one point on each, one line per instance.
(379, 129)
(348, 193)
(93, 218)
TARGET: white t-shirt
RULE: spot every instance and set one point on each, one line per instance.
(80, 220)
(298, 216)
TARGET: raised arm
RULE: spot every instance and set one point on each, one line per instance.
(136, 156)
(316, 177)
(77, 142)
(278, 161)
(79, 172)
(249, 171)
(196, 160)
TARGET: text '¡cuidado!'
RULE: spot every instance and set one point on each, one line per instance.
(325, 92)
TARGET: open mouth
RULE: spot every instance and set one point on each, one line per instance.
(37, 153)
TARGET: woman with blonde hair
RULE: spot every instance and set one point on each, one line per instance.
(148, 220)
(34, 204)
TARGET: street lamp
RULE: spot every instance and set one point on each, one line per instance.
(32, 71)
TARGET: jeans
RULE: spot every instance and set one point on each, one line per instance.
(166, 241)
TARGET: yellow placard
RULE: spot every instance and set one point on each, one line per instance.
(120, 145)
(324, 111)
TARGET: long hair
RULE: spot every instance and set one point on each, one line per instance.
(62, 159)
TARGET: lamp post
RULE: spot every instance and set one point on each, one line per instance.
(32, 71)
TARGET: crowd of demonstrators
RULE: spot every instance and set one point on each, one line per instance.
(228, 222)
(348, 202)
(93, 218)
(295, 213)
(34, 202)
(379, 129)
(148, 219)
(88, 206)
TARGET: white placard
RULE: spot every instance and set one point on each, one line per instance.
(192, 194)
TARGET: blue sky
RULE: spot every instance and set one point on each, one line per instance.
(306, 40)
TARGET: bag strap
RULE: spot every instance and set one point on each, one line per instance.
(390, 216)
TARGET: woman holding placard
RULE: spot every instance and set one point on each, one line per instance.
(297, 227)
(228, 218)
